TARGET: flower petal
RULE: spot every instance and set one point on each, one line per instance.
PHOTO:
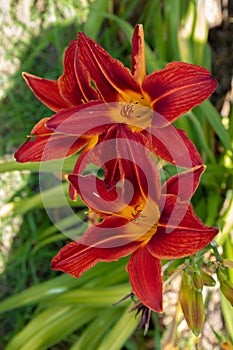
(101, 151)
(74, 84)
(82, 163)
(112, 232)
(84, 79)
(172, 145)
(145, 278)
(125, 155)
(184, 184)
(125, 158)
(102, 242)
(67, 83)
(90, 118)
(44, 145)
(178, 88)
(76, 258)
(96, 195)
(138, 54)
(113, 80)
(180, 232)
(46, 91)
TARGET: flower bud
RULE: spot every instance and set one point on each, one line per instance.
(196, 311)
(197, 281)
(227, 263)
(191, 302)
(221, 275)
(169, 271)
(227, 290)
(207, 279)
(184, 294)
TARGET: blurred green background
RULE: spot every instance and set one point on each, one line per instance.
(43, 309)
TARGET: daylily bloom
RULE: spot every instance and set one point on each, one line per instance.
(97, 91)
(158, 223)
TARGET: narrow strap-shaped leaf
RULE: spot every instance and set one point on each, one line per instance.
(95, 297)
(201, 137)
(100, 276)
(97, 329)
(122, 330)
(57, 322)
(227, 314)
(214, 119)
(66, 165)
(95, 18)
(54, 197)
(151, 62)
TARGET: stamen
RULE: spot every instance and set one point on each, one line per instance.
(130, 295)
(126, 110)
(136, 115)
(145, 316)
(138, 307)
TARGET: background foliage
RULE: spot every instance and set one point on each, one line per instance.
(41, 309)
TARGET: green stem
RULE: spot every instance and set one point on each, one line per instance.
(214, 246)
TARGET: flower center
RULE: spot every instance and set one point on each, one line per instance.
(145, 224)
(151, 231)
(138, 116)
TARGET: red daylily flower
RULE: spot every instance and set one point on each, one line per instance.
(97, 91)
(113, 149)
(148, 228)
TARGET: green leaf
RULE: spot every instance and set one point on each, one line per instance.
(52, 198)
(97, 297)
(65, 165)
(97, 329)
(63, 224)
(227, 314)
(95, 18)
(213, 205)
(38, 292)
(201, 137)
(50, 326)
(151, 62)
(228, 254)
(172, 20)
(98, 275)
(121, 331)
(208, 110)
(225, 221)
